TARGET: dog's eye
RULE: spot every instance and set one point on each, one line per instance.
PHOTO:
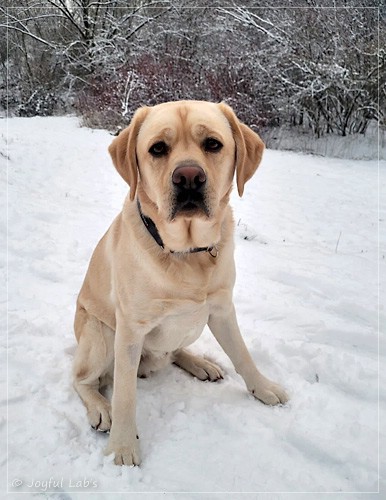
(159, 149)
(212, 145)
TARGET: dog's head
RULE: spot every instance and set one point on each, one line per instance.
(181, 158)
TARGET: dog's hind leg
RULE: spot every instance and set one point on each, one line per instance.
(197, 366)
(93, 360)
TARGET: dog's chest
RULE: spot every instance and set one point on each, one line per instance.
(178, 330)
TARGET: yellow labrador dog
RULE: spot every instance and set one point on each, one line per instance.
(165, 267)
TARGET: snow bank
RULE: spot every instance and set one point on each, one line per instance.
(306, 296)
(368, 146)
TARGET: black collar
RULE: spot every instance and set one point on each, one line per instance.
(152, 228)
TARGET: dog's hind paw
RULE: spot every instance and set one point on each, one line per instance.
(99, 417)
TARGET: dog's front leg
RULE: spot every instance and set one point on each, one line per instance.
(123, 439)
(224, 327)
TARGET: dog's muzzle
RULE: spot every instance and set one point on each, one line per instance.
(189, 183)
(188, 177)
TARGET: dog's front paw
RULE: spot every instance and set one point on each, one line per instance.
(268, 392)
(125, 454)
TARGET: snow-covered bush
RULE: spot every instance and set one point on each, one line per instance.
(322, 69)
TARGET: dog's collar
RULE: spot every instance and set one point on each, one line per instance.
(152, 228)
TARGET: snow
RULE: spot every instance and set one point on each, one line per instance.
(368, 146)
(307, 302)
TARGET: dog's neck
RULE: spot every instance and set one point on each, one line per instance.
(152, 228)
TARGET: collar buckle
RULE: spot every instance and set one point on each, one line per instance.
(213, 251)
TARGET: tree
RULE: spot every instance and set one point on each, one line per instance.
(323, 65)
(302, 64)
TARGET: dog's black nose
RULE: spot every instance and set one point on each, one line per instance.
(190, 177)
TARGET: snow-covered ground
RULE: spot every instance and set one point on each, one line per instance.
(307, 302)
(368, 146)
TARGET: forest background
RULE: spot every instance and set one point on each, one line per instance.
(306, 65)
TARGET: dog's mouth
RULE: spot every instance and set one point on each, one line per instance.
(189, 203)
(188, 207)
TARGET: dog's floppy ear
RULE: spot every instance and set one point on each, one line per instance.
(123, 150)
(249, 148)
